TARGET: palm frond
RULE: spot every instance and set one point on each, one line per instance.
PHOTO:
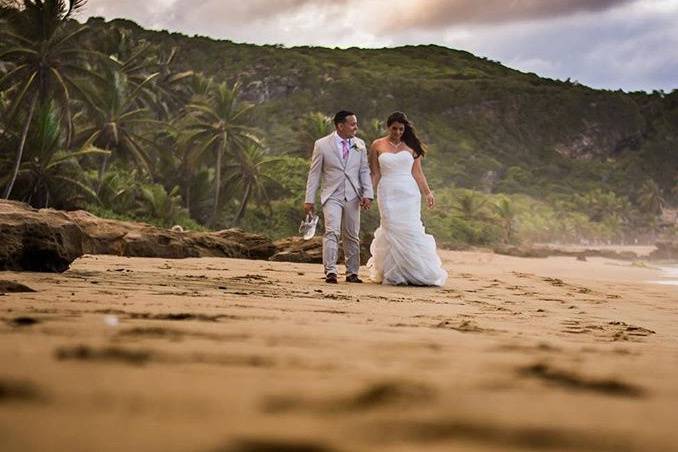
(91, 150)
(76, 183)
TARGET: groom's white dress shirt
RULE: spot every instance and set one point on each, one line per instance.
(340, 144)
(341, 193)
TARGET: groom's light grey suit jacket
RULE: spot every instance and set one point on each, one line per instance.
(329, 170)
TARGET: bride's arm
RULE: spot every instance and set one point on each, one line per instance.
(418, 173)
(374, 167)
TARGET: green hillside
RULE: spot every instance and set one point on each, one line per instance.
(512, 156)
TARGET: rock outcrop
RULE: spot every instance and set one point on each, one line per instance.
(48, 240)
(296, 249)
(535, 251)
(666, 250)
(126, 238)
(37, 240)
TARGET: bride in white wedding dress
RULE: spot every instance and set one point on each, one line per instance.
(402, 252)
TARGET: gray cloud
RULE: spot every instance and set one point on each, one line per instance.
(631, 48)
(626, 44)
(256, 21)
(208, 11)
(444, 13)
(245, 10)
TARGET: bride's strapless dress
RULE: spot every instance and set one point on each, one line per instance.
(402, 252)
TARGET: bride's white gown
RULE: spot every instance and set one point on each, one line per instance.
(402, 252)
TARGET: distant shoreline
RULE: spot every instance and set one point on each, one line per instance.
(669, 275)
(640, 250)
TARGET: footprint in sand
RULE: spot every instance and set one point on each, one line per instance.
(336, 296)
(574, 381)
(421, 433)
(13, 390)
(175, 316)
(23, 321)
(555, 282)
(87, 353)
(465, 326)
(173, 334)
(621, 331)
(252, 278)
(140, 357)
(273, 444)
(611, 331)
(375, 395)
(13, 287)
(559, 300)
(152, 332)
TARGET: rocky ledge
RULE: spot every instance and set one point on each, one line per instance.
(48, 240)
(296, 249)
(666, 250)
(536, 251)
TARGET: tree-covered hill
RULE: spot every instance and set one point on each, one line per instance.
(478, 115)
(512, 156)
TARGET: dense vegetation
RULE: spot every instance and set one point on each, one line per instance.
(171, 129)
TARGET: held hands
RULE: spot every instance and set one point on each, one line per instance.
(365, 203)
(430, 200)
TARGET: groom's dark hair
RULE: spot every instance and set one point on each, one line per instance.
(341, 116)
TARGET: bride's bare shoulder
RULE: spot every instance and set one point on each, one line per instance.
(378, 143)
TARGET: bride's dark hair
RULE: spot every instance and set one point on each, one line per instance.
(410, 135)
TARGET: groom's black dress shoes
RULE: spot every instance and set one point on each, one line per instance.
(353, 278)
(331, 278)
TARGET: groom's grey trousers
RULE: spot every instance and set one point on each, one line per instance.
(342, 217)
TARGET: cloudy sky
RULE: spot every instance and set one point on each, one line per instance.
(627, 44)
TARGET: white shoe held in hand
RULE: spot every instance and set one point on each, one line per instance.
(308, 225)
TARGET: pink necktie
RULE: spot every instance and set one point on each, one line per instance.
(344, 148)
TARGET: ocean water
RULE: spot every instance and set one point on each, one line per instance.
(669, 275)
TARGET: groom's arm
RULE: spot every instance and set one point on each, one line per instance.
(313, 180)
(366, 177)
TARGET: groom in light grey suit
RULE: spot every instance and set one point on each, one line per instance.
(340, 168)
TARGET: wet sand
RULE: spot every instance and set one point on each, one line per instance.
(236, 355)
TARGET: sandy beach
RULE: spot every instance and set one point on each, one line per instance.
(242, 355)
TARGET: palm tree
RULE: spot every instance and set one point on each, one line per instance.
(198, 194)
(372, 130)
(50, 171)
(170, 88)
(250, 172)
(506, 213)
(599, 204)
(115, 116)
(180, 166)
(155, 202)
(39, 43)
(137, 61)
(218, 126)
(119, 190)
(310, 127)
(200, 86)
(4, 107)
(470, 205)
(650, 198)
